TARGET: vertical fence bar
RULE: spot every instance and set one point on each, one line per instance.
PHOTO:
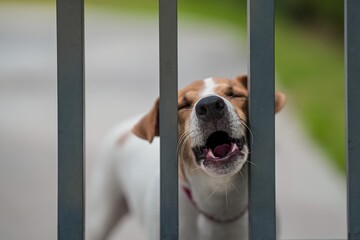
(262, 220)
(168, 120)
(352, 79)
(70, 54)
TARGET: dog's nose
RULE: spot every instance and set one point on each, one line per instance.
(210, 108)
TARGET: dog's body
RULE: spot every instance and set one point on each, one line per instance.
(212, 154)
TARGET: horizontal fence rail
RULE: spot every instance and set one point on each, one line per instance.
(262, 220)
(352, 78)
(70, 54)
(168, 120)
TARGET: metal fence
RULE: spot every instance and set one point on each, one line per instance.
(352, 88)
(262, 220)
(70, 42)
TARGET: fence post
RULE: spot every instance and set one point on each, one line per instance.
(70, 54)
(262, 220)
(352, 91)
(168, 120)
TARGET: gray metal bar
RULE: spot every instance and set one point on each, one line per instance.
(168, 120)
(70, 54)
(262, 220)
(352, 79)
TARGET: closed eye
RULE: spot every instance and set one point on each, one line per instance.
(184, 103)
(184, 106)
(237, 96)
(235, 92)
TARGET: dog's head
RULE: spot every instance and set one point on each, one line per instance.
(212, 126)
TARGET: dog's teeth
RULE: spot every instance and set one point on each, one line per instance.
(210, 154)
(233, 147)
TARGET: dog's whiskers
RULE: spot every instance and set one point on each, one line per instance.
(194, 169)
(242, 177)
(254, 130)
(181, 139)
(226, 197)
(250, 162)
(182, 144)
(183, 136)
(233, 185)
(248, 128)
(246, 174)
(212, 193)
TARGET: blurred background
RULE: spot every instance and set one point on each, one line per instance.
(121, 39)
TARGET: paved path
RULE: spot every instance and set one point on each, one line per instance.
(121, 64)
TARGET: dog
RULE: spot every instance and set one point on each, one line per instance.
(213, 150)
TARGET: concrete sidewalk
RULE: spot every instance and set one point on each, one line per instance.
(122, 64)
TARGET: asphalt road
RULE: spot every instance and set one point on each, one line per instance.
(121, 80)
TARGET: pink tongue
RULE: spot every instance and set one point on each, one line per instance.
(221, 150)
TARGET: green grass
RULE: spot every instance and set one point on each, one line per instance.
(311, 69)
(309, 64)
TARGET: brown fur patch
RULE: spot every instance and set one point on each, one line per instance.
(148, 127)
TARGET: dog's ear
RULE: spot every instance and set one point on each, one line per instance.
(243, 80)
(280, 100)
(148, 126)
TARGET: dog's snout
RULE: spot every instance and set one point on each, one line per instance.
(210, 108)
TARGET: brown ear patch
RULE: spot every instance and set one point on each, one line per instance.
(243, 80)
(280, 100)
(148, 126)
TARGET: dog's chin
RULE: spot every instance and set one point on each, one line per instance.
(226, 166)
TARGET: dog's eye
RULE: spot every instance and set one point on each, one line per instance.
(235, 95)
(234, 92)
(239, 96)
(184, 105)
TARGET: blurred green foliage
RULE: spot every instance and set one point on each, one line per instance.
(311, 11)
(311, 70)
(310, 63)
(309, 56)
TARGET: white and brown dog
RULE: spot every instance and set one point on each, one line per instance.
(212, 152)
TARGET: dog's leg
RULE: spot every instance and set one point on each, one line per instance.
(106, 203)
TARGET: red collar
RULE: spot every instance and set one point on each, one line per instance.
(188, 193)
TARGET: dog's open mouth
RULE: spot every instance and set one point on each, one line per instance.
(219, 146)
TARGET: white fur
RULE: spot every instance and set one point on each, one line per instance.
(209, 87)
(130, 173)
